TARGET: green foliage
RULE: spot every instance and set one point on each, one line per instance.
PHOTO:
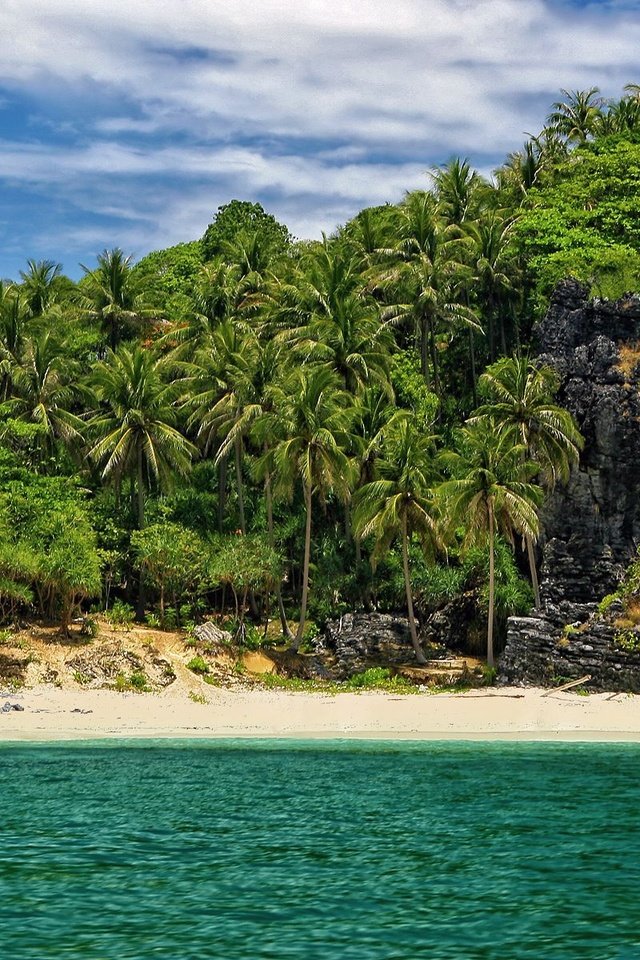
(411, 390)
(198, 664)
(379, 678)
(170, 276)
(174, 559)
(197, 697)
(584, 221)
(121, 614)
(136, 681)
(605, 603)
(628, 640)
(239, 220)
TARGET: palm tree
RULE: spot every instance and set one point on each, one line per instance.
(39, 285)
(311, 424)
(13, 323)
(338, 321)
(114, 296)
(218, 395)
(519, 398)
(576, 118)
(460, 191)
(493, 270)
(491, 494)
(400, 504)
(425, 279)
(135, 426)
(42, 392)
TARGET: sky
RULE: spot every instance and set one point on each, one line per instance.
(128, 123)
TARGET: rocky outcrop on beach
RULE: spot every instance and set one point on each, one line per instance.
(355, 640)
(590, 528)
(569, 642)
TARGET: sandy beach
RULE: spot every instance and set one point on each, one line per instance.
(497, 713)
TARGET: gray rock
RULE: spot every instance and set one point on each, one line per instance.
(357, 638)
(211, 634)
(591, 527)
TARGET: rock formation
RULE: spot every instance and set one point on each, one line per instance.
(590, 528)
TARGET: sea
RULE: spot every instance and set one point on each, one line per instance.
(340, 850)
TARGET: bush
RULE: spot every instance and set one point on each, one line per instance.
(121, 614)
(198, 665)
(378, 678)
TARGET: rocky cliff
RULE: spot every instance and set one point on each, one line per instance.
(590, 528)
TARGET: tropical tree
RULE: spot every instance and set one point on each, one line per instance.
(43, 392)
(13, 323)
(312, 421)
(576, 117)
(424, 282)
(338, 322)
(113, 295)
(40, 283)
(493, 271)
(134, 427)
(460, 191)
(519, 398)
(490, 494)
(400, 503)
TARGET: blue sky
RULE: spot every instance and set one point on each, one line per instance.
(127, 124)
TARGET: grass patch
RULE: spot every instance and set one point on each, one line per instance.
(198, 665)
(197, 697)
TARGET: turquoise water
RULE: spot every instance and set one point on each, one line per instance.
(317, 850)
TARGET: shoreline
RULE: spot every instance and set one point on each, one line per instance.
(509, 714)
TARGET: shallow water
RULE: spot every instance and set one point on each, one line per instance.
(353, 851)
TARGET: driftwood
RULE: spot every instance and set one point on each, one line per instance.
(567, 686)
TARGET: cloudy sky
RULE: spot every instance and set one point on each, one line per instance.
(128, 123)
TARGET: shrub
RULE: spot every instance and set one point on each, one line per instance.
(198, 665)
(121, 614)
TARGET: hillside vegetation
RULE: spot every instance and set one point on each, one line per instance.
(257, 427)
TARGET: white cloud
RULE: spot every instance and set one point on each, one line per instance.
(176, 89)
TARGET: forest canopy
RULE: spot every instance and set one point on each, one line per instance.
(261, 426)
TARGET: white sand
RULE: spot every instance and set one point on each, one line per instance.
(513, 714)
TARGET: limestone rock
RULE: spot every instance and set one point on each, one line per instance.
(358, 638)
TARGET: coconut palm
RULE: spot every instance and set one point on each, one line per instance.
(491, 494)
(114, 297)
(13, 326)
(42, 392)
(134, 427)
(493, 270)
(311, 423)
(424, 283)
(576, 118)
(520, 398)
(459, 190)
(39, 285)
(400, 503)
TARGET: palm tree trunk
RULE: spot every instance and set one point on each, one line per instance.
(472, 362)
(286, 632)
(434, 361)
(492, 588)
(222, 492)
(534, 573)
(420, 657)
(140, 492)
(140, 489)
(238, 457)
(305, 570)
(424, 349)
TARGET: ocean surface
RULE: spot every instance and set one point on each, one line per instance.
(340, 850)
